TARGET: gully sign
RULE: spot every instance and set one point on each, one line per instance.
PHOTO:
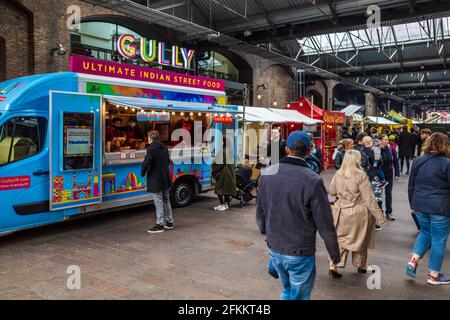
(150, 51)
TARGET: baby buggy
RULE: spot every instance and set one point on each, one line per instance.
(247, 187)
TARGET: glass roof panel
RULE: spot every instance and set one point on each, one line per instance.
(415, 32)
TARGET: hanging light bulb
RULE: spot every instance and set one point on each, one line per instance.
(199, 114)
(191, 114)
(182, 113)
(259, 96)
(288, 105)
(275, 103)
(173, 113)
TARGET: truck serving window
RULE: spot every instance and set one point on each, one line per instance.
(21, 138)
(78, 141)
(127, 128)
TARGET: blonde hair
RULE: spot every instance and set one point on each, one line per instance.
(367, 141)
(351, 165)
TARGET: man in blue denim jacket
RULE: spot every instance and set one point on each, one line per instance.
(292, 206)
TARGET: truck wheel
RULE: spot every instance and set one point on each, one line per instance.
(182, 194)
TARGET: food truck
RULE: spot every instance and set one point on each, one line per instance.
(72, 143)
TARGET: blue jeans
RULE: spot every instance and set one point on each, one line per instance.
(163, 207)
(380, 174)
(297, 275)
(434, 231)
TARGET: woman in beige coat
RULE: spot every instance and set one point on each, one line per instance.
(355, 213)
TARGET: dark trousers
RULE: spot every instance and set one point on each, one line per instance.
(402, 159)
(388, 194)
(224, 199)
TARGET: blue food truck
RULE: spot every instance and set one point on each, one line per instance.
(72, 144)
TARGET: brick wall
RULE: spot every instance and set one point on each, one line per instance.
(31, 28)
(15, 29)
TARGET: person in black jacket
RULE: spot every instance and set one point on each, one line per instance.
(390, 168)
(292, 206)
(405, 143)
(429, 197)
(156, 168)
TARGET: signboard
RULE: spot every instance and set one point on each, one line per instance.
(223, 119)
(150, 51)
(14, 183)
(78, 141)
(153, 116)
(131, 72)
(334, 117)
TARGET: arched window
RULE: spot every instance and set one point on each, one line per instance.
(215, 65)
(98, 40)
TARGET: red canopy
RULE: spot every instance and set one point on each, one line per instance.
(304, 106)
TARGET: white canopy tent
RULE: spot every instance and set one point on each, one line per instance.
(379, 120)
(272, 115)
(351, 110)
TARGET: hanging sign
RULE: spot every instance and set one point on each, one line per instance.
(150, 51)
(224, 119)
(153, 116)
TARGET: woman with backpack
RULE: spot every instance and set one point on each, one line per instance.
(429, 198)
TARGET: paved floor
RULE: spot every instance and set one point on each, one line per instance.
(208, 256)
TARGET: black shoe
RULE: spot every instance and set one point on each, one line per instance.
(390, 218)
(156, 229)
(407, 173)
(334, 274)
(169, 226)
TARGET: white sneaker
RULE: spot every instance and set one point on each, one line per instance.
(222, 208)
(226, 207)
(219, 207)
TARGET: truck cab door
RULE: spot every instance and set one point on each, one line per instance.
(75, 150)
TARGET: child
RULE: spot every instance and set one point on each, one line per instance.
(377, 163)
(392, 142)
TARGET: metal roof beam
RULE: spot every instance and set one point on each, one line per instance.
(265, 14)
(293, 23)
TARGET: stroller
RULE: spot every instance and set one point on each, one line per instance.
(245, 184)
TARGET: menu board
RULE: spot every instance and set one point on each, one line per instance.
(78, 141)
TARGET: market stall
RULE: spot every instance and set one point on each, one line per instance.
(352, 118)
(327, 133)
(263, 124)
(379, 122)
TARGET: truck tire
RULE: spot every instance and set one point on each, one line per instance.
(183, 193)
